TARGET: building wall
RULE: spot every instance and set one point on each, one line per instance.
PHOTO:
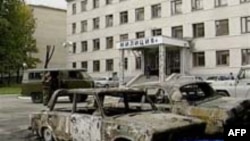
(233, 42)
(50, 30)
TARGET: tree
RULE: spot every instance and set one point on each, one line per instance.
(17, 26)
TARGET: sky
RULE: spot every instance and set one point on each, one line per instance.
(52, 3)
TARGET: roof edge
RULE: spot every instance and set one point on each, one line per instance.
(47, 7)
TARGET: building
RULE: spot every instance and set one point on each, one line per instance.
(201, 37)
(50, 30)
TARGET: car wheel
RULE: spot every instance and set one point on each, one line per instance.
(223, 93)
(37, 97)
(47, 135)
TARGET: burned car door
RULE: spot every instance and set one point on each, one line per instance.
(85, 127)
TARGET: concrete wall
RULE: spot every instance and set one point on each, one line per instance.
(50, 30)
(234, 42)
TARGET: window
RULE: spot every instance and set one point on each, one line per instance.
(73, 28)
(140, 35)
(74, 65)
(84, 46)
(198, 30)
(138, 63)
(156, 11)
(245, 24)
(125, 63)
(123, 37)
(109, 65)
(197, 4)
(96, 43)
(84, 65)
(243, 1)
(176, 7)
(109, 42)
(177, 32)
(219, 3)
(109, 2)
(156, 32)
(139, 14)
(84, 26)
(222, 27)
(96, 3)
(245, 54)
(73, 8)
(96, 66)
(83, 5)
(74, 48)
(109, 20)
(198, 59)
(124, 17)
(96, 22)
(222, 57)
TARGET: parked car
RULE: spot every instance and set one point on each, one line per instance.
(69, 78)
(199, 99)
(108, 116)
(217, 78)
(106, 82)
(239, 87)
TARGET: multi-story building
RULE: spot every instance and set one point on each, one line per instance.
(50, 30)
(217, 33)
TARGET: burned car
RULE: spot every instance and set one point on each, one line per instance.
(198, 99)
(108, 116)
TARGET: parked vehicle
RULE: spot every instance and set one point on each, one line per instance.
(240, 87)
(198, 99)
(106, 82)
(69, 78)
(217, 78)
(108, 116)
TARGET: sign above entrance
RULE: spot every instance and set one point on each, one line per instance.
(152, 41)
(139, 43)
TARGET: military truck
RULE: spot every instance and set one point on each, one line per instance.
(240, 87)
(32, 84)
(107, 115)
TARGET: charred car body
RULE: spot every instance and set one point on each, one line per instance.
(198, 99)
(108, 116)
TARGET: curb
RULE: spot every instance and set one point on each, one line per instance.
(24, 97)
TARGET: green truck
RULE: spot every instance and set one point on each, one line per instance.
(32, 84)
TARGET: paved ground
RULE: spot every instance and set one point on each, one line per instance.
(14, 118)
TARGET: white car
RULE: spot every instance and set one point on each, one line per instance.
(106, 82)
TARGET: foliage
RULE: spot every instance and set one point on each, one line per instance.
(17, 26)
(15, 89)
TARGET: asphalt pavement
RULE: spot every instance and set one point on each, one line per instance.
(14, 118)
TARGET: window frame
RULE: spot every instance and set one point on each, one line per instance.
(196, 59)
(96, 44)
(174, 5)
(84, 46)
(109, 45)
(84, 5)
(139, 14)
(109, 20)
(123, 17)
(220, 62)
(140, 35)
(217, 22)
(109, 64)
(245, 24)
(96, 4)
(96, 23)
(177, 28)
(196, 32)
(83, 63)
(74, 9)
(245, 61)
(73, 28)
(156, 11)
(84, 26)
(218, 3)
(195, 5)
(155, 32)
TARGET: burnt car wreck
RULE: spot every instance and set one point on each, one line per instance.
(198, 99)
(107, 115)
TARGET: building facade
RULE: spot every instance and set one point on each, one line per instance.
(50, 30)
(218, 32)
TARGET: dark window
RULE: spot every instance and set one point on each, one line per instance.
(35, 76)
(84, 65)
(96, 43)
(96, 23)
(245, 24)
(219, 3)
(244, 1)
(123, 37)
(222, 27)
(138, 63)
(96, 3)
(222, 58)
(156, 11)
(197, 4)
(156, 32)
(176, 6)
(139, 14)
(73, 28)
(198, 30)
(109, 42)
(109, 20)
(109, 2)
(140, 34)
(124, 17)
(84, 46)
(198, 59)
(177, 32)
(84, 5)
(245, 53)
(74, 48)
(109, 65)
(125, 63)
(84, 26)
(74, 65)
(96, 66)
(73, 8)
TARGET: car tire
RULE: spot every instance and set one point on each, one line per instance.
(47, 135)
(37, 97)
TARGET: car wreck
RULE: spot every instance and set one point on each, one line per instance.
(199, 99)
(108, 116)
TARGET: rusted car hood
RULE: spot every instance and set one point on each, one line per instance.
(158, 122)
(226, 103)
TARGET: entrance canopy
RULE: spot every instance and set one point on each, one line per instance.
(151, 42)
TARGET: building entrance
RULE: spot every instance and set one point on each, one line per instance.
(173, 63)
(151, 56)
